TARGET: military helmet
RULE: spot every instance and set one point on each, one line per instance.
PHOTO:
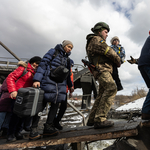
(100, 25)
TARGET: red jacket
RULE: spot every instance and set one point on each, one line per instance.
(14, 82)
(71, 76)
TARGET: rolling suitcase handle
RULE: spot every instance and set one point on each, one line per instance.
(35, 101)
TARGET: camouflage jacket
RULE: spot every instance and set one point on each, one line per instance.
(100, 54)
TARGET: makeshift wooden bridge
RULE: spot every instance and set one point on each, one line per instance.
(78, 135)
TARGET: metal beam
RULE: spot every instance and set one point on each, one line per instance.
(9, 51)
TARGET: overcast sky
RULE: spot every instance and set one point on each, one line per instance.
(32, 27)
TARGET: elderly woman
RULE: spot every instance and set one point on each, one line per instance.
(55, 92)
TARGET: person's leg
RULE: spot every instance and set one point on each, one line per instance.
(34, 134)
(5, 124)
(109, 93)
(12, 127)
(87, 90)
(115, 76)
(7, 120)
(2, 118)
(52, 113)
(19, 128)
(49, 129)
(146, 104)
(145, 72)
(94, 108)
(62, 109)
(27, 123)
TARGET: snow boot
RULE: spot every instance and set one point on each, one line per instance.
(49, 130)
(57, 124)
(34, 134)
(11, 138)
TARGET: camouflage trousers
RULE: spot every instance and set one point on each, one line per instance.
(104, 100)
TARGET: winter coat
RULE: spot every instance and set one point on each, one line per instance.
(15, 82)
(120, 51)
(5, 100)
(54, 92)
(100, 54)
(144, 59)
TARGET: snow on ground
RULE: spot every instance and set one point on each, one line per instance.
(135, 105)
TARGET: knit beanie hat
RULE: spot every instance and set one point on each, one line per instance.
(35, 59)
(114, 38)
(66, 42)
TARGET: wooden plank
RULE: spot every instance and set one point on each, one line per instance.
(80, 134)
(48, 141)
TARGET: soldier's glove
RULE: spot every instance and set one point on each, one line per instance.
(132, 60)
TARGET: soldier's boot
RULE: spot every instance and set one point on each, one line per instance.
(34, 134)
(49, 130)
(90, 123)
(104, 124)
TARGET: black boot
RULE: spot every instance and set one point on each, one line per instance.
(57, 124)
(4, 132)
(27, 129)
(11, 138)
(104, 124)
(34, 134)
(90, 123)
(49, 130)
(18, 136)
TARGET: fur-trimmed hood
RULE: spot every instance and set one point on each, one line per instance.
(22, 63)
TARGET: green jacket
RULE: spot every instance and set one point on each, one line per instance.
(100, 54)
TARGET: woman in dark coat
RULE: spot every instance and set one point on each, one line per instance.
(54, 92)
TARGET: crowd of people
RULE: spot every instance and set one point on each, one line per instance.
(38, 72)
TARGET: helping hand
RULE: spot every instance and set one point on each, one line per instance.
(132, 60)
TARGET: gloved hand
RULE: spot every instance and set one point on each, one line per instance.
(119, 64)
(132, 60)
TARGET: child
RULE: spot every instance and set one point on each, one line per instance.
(121, 52)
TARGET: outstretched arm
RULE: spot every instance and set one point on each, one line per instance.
(133, 60)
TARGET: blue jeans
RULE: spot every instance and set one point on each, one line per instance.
(4, 119)
(145, 72)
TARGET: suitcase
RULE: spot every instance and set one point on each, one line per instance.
(29, 101)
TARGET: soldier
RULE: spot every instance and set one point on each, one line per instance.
(103, 57)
